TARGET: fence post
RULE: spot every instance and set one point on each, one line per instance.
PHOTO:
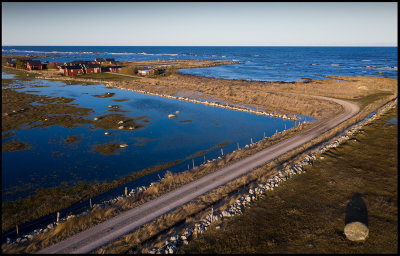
(238, 145)
(212, 214)
(222, 152)
(16, 227)
(193, 163)
(251, 139)
(195, 231)
(58, 216)
(126, 191)
(90, 201)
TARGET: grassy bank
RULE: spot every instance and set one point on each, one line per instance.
(306, 214)
(171, 182)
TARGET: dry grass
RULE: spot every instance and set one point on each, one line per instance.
(171, 181)
(240, 92)
(275, 97)
(307, 213)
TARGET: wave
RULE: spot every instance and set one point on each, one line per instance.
(141, 53)
(65, 52)
(47, 52)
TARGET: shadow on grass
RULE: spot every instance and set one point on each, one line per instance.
(356, 210)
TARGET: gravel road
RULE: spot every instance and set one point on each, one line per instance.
(103, 233)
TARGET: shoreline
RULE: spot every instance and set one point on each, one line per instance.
(182, 98)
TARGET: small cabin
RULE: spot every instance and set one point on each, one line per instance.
(114, 68)
(143, 72)
(92, 68)
(73, 70)
(45, 64)
(34, 65)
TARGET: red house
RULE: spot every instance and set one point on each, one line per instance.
(73, 70)
(92, 68)
(33, 65)
(114, 68)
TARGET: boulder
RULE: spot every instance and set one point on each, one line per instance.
(356, 231)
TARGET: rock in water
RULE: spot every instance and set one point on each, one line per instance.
(356, 231)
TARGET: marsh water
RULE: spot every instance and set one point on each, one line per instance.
(198, 133)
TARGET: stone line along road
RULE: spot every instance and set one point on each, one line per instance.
(107, 231)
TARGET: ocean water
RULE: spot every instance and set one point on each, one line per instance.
(256, 63)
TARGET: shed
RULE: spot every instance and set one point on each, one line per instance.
(33, 65)
(73, 70)
(143, 72)
(114, 68)
(92, 68)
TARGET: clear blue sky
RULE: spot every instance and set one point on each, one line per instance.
(200, 23)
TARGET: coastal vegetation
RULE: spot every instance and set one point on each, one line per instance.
(369, 92)
(307, 213)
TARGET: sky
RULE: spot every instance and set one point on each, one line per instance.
(199, 23)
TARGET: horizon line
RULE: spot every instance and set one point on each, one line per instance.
(222, 45)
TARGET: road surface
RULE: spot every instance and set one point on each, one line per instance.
(103, 233)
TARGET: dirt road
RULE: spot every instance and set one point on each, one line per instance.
(103, 233)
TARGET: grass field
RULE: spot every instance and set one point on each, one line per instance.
(374, 98)
(307, 213)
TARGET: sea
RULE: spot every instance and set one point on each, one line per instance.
(199, 134)
(285, 64)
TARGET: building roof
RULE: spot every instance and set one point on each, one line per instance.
(110, 59)
(90, 65)
(73, 67)
(99, 59)
(77, 62)
(34, 62)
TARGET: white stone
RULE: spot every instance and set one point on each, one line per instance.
(356, 231)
